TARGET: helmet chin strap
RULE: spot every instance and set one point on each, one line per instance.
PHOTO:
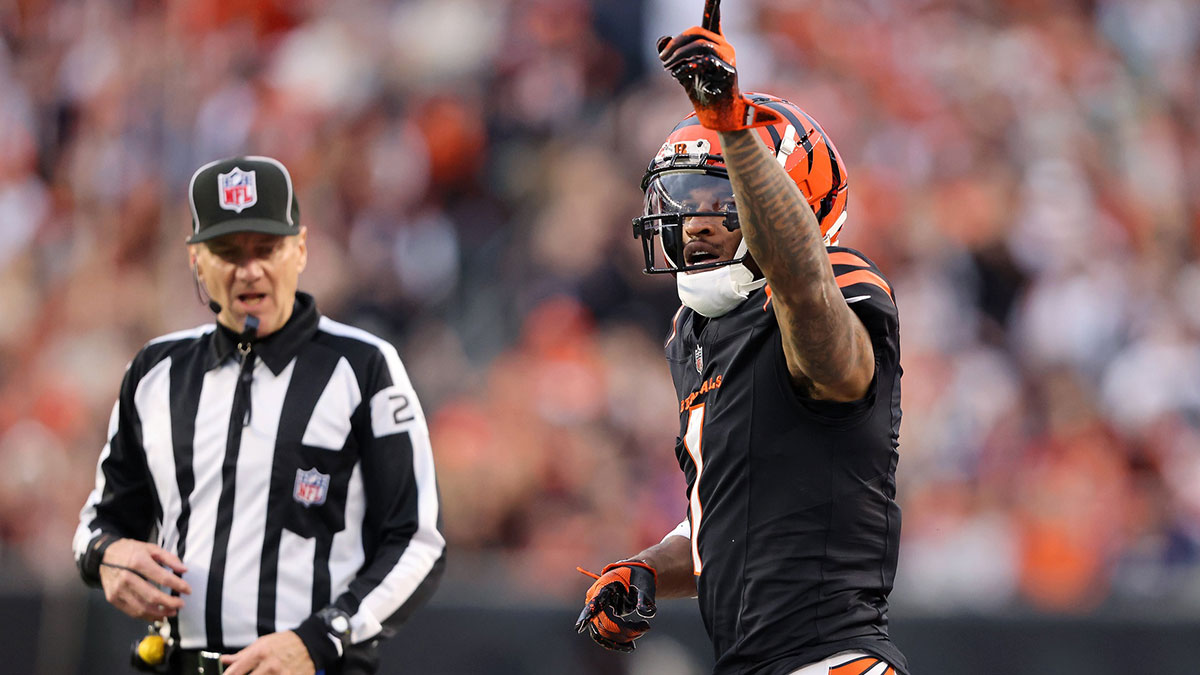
(742, 276)
(831, 235)
(713, 293)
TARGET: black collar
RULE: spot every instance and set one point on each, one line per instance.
(277, 349)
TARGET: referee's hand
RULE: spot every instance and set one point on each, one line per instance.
(281, 653)
(134, 574)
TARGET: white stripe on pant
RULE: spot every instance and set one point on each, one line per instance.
(824, 666)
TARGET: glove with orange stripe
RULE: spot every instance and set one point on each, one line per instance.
(704, 63)
(618, 604)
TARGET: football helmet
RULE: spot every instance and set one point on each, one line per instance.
(688, 178)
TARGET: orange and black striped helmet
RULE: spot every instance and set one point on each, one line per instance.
(690, 163)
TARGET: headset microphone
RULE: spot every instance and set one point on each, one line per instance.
(212, 304)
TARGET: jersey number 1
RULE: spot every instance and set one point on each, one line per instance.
(691, 442)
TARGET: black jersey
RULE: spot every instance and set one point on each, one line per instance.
(794, 523)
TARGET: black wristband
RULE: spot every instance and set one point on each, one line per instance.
(89, 562)
(318, 633)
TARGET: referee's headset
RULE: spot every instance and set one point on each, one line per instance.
(250, 329)
(202, 292)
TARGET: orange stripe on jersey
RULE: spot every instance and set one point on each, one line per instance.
(674, 326)
(768, 289)
(856, 667)
(845, 258)
(863, 277)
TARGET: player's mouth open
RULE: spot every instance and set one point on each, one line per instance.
(251, 299)
(700, 254)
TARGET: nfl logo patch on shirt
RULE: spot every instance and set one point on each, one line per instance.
(238, 190)
(699, 359)
(312, 486)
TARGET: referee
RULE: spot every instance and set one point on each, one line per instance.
(267, 491)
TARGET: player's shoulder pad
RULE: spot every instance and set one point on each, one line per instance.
(855, 272)
(865, 288)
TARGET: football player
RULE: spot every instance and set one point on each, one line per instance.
(785, 358)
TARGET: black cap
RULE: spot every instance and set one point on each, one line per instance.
(242, 194)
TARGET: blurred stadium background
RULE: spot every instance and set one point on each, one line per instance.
(1027, 172)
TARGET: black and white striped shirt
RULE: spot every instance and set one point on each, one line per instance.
(315, 488)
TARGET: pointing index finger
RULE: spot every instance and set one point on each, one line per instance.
(712, 16)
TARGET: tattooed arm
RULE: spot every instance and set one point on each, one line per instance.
(828, 350)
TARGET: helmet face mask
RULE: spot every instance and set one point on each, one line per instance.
(690, 162)
(672, 197)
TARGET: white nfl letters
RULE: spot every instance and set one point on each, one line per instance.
(311, 487)
(237, 190)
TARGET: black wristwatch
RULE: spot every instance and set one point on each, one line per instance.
(337, 624)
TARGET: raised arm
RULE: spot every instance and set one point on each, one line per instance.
(828, 350)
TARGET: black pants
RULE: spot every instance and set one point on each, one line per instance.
(360, 659)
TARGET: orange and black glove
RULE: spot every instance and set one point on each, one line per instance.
(704, 63)
(618, 604)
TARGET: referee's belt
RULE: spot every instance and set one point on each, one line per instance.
(190, 663)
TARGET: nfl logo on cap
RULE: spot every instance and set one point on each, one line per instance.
(237, 190)
(242, 194)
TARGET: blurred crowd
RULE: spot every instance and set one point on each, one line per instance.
(1026, 172)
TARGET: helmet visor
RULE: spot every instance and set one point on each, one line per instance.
(688, 192)
(672, 198)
